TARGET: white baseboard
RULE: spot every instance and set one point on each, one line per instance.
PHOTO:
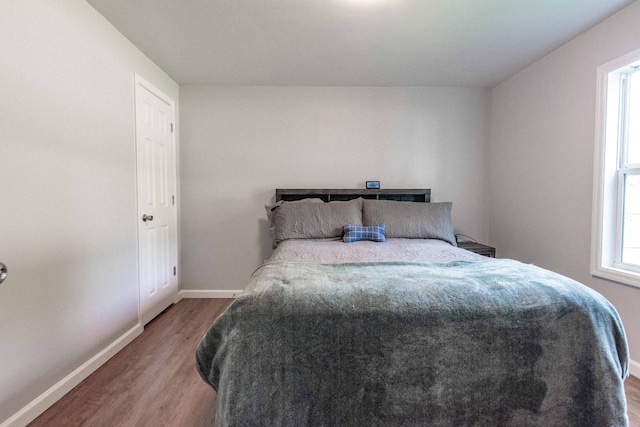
(196, 293)
(634, 368)
(62, 387)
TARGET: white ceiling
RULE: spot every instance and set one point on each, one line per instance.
(474, 43)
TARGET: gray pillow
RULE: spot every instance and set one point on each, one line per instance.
(272, 208)
(315, 220)
(410, 220)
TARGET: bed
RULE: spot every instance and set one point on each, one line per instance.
(399, 327)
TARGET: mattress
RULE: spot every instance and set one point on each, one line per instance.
(413, 332)
(332, 251)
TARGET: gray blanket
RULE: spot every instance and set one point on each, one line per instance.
(495, 343)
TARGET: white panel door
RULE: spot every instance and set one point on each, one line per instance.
(157, 226)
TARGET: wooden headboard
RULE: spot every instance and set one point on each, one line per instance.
(329, 195)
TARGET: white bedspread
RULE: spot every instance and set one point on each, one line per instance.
(337, 252)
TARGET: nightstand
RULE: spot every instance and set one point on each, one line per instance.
(478, 248)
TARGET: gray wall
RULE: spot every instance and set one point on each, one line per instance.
(238, 144)
(67, 191)
(541, 161)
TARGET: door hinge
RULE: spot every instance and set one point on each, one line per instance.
(171, 127)
(174, 271)
(173, 200)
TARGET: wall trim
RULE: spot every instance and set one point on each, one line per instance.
(43, 402)
(198, 293)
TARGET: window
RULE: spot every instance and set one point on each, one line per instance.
(616, 219)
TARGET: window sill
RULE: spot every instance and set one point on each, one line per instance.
(619, 275)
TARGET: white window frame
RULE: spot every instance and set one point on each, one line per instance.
(609, 173)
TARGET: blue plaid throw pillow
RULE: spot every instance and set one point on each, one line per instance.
(353, 233)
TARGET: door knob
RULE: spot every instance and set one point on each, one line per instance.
(146, 217)
(3, 272)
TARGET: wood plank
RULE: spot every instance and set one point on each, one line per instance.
(153, 380)
(632, 391)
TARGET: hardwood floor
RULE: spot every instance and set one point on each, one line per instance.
(632, 390)
(153, 382)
